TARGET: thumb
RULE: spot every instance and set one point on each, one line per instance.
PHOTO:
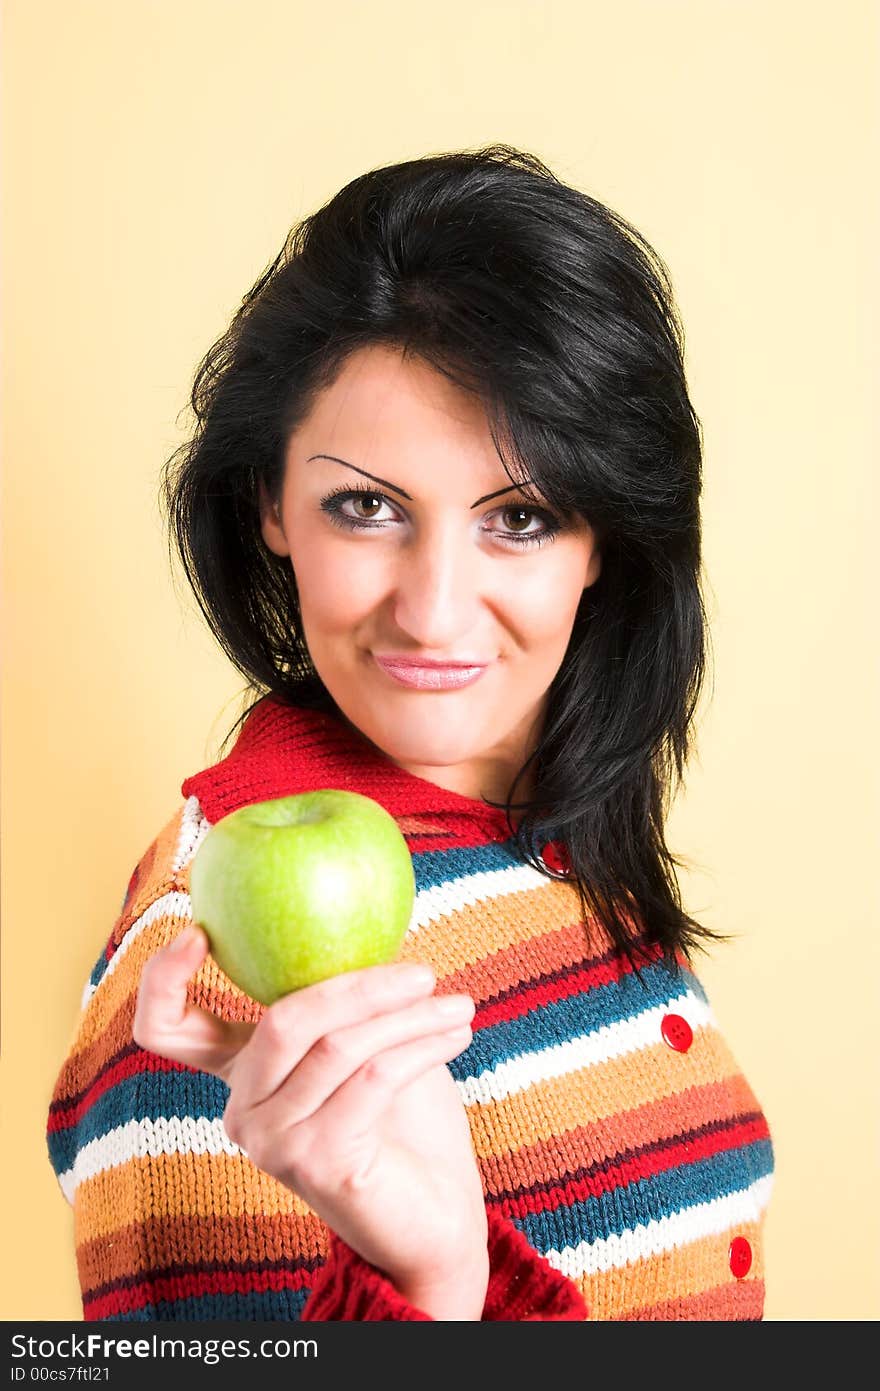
(165, 1023)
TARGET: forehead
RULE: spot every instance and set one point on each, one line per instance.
(384, 409)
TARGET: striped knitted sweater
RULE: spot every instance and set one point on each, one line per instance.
(625, 1161)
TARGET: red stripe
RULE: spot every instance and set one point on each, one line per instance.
(175, 1287)
(547, 992)
(640, 1166)
(190, 1286)
(137, 1061)
(62, 1117)
(513, 1007)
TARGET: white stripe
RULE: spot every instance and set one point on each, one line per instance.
(516, 1074)
(194, 826)
(611, 1041)
(188, 1135)
(454, 894)
(171, 905)
(139, 1138)
(679, 1229)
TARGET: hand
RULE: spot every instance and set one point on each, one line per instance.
(342, 1094)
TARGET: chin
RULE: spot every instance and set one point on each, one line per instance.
(428, 753)
(422, 742)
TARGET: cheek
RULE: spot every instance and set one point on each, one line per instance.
(338, 584)
(544, 605)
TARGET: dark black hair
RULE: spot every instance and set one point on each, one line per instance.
(558, 313)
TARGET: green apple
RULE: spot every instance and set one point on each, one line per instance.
(294, 890)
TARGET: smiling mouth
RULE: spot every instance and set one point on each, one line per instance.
(430, 676)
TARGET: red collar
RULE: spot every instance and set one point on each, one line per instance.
(283, 749)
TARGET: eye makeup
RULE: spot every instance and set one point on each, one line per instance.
(332, 505)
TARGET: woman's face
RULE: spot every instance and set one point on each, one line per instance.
(408, 542)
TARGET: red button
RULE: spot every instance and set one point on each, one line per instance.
(740, 1257)
(677, 1032)
(556, 857)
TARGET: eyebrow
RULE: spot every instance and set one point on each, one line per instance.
(374, 478)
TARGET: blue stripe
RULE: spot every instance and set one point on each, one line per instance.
(149, 1095)
(435, 867)
(649, 1199)
(282, 1306)
(146, 1096)
(99, 968)
(577, 1016)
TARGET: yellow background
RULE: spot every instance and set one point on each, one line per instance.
(155, 155)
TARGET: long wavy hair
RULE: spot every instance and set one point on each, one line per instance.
(561, 317)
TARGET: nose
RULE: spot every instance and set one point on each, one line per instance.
(437, 589)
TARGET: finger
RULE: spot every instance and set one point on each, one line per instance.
(339, 1054)
(360, 1102)
(166, 1024)
(293, 1024)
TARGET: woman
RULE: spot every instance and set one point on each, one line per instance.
(441, 508)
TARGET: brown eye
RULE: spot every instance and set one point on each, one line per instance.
(368, 504)
(521, 516)
(367, 499)
(518, 531)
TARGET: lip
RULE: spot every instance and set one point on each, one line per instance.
(431, 676)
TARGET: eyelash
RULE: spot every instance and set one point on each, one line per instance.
(332, 505)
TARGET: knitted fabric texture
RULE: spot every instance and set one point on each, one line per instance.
(616, 1137)
(522, 1286)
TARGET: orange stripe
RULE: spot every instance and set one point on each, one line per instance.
(183, 1238)
(180, 1185)
(687, 1272)
(559, 1105)
(118, 990)
(521, 961)
(478, 931)
(547, 1160)
(211, 989)
(467, 935)
(695, 1275)
(157, 862)
(82, 1066)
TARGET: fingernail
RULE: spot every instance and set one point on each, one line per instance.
(183, 939)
